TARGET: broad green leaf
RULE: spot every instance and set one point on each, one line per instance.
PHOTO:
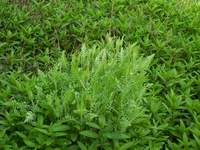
(29, 143)
(89, 133)
(73, 136)
(44, 131)
(93, 125)
(59, 134)
(73, 147)
(93, 146)
(59, 127)
(102, 121)
(126, 146)
(115, 135)
(82, 146)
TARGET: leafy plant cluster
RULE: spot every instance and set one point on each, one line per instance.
(95, 100)
(65, 84)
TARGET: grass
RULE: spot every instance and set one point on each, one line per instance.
(82, 75)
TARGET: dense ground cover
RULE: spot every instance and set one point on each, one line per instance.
(66, 84)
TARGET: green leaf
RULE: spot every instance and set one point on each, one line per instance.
(93, 146)
(102, 121)
(73, 137)
(115, 135)
(44, 131)
(126, 146)
(26, 140)
(58, 134)
(197, 140)
(82, 146)
(29, 143)
(73, 147)
(59, 127)
(89, 133)
(21, 135)
(93, 125)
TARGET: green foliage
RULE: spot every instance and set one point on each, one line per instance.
(95, 96)
(37, 111)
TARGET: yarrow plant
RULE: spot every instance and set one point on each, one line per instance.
(95, 96)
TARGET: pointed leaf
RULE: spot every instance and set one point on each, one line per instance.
(89, 133)
(82, 146)
(93, 125)
(116, 135)
(126, 146)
